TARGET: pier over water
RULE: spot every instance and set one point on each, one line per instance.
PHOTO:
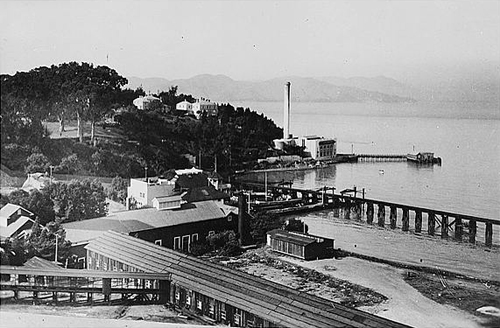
(381, 158)
(446, 224)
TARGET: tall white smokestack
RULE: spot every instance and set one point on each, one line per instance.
(286, 112)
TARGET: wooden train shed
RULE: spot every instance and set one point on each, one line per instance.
(222, 295)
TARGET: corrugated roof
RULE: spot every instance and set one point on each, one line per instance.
(271, 301)
(293, 237)
(148, 218)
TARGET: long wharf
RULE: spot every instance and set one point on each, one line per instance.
(447, 224)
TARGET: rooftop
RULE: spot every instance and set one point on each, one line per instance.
(10, 209)
(39, 263)
(146, 219)
(294, 237)
(198, 194)
(276, 303)
(11, 229)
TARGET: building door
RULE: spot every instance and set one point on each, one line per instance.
(185, 243)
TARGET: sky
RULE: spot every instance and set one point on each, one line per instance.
(253, 40)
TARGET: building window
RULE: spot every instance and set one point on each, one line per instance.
(185, 243)
(194, 237)
(158, 242)
(211, 233)
(177, 243)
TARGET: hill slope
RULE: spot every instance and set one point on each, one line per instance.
(221, 88)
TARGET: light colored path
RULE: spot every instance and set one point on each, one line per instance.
(405, 304)
(395, 245)
(28, 320)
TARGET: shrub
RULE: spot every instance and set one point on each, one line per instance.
(37, 162)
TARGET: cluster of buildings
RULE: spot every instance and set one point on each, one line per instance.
(198, 108)
(185, 107)
(173, 211)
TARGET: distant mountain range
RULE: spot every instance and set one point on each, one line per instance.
(221, 88)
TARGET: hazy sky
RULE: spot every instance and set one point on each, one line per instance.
(252, 39)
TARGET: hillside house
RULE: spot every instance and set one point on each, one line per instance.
(37, 181)
(147, 102)
(184, 108)
(204, 106)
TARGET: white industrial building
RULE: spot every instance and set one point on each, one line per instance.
(319, 148)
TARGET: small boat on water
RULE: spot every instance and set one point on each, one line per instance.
(423, 158)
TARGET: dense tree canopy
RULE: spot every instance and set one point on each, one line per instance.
(37, 202)
(74, 90)
(154, 138)
(78, 200)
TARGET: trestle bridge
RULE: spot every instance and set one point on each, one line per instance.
(447, 224)
(83, 286)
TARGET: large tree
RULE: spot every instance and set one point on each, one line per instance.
(42, 242)
(78, 200)
(89, 91)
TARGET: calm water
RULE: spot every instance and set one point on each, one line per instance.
(465, 136)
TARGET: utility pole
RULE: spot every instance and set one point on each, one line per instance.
(55, 255)
(51, 168)
(146, 173)
(265, 184)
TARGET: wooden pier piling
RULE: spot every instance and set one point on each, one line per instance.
(489, 234)
(431, 223)
(406, 219)
(459, 228)
(381, 215)
(369, 213)
(472, 231)
(444, 226)
(418, 221)
(450, 224)
(393, 216)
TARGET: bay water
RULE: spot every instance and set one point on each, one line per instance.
(465, 135)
